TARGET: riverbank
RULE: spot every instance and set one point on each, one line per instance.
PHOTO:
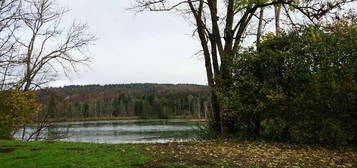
(209, 154)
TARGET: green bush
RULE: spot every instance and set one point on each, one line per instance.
(15, 109)
(300, 86)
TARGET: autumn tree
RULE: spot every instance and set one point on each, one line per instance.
(222, 27)
(16, 108)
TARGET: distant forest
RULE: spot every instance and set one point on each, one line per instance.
(126, 100)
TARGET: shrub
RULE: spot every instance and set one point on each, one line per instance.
(300, 86)
(15, 109)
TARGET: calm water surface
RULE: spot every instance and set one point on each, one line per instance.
(124, 131)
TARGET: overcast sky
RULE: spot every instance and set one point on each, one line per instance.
(149, 47)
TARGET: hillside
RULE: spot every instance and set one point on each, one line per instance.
(126, 100)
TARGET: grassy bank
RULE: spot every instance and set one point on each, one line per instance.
(209, 154)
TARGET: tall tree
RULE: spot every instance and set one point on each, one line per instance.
(51, 107)
(116, 107)
(222, 32)
(85, 110)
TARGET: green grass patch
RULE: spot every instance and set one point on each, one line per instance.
(68, 155)
(199, 154)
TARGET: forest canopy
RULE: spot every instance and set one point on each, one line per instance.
(125, 100)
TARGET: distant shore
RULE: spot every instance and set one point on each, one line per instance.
(188, 119)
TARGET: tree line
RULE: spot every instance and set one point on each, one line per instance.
(140, 100)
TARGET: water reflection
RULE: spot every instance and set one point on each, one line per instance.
(127, 131)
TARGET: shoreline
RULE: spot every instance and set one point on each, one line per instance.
(123, 118)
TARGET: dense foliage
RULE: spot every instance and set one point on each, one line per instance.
(299, 87)
(15, 109)
(140, 100)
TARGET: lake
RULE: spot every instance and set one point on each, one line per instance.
(123, 131)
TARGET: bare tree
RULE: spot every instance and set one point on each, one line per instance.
(221, 33)
(35, 45)
(48, 46)
(9, 13)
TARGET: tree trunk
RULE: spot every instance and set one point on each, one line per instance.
(208, 65)
(277, 19)
(260, 27)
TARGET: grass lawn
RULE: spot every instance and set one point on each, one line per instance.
(209, 154)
